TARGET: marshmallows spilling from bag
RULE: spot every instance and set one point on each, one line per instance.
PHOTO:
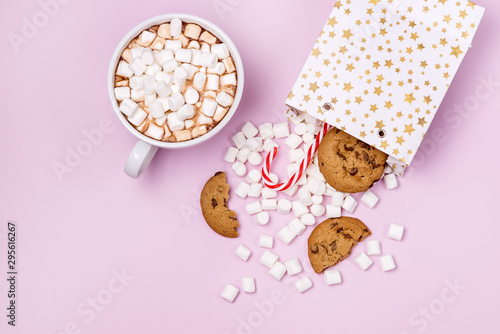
(175, 82)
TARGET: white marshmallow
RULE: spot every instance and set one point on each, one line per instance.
(149, 85)
(303, 284)
(254, 144)
(127, 107)
(281, 130)
(243, 154)
(286, 235)
(147, 56)
(161, 120)
(293, 141)
(239, 140)
(255, 158)
(284, 206)
(185, 112)
(205, 47)
(183, 55)
(175, 27)
(370, 199)
(269, 204)
(230, 292)
(225, 100)
(262, 218)
(191, 95)
(208, 107)
(199, 80)
(137, 66)
(338, 199)
(269, 145)
(364, 261)
(295, 155)
(239, 168)
(388, 169)
(278, 271)
(333, 211)
(305, 196)
(391, 181)
(387, 262)
(253, 208)
(124, 70)
(308, 219)
(156, 109)
(228, 79)
(249, 130)
(266, 241)
(231, 154)
(268, 259)
(122, 93)
(136, 52)
(188, 124)
(162, 89)
(174, 123)
(155, 132)
(137, 83)
(318, 210)
(208, 59)
(373, 247)
(248, 284)
(190, 70)
(332, 276)
(175, 101)
(266, 130)
(162, 56)
(312, 128)
(292, 169)
(137, 95)
(294, 118)
(170, 65)
(148, 98)
(308, 138)
(255, 189)
(293, 267)
(299, 209)
(220, 50)
(328, 192)
(254, 176)
(396, 232)
(180, 76)
(268, 193)
(242, 190)
(297, 226)
(300, 129)
(242, 252)
(195, 57)
(274, 178)
(349, 204)
(302, 181)
(137, 117)
(202, 119)
(317, 199)
(291, 190)
(213, 82)
(315, 186)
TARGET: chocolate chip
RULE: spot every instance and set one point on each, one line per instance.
(325, 248)
(357, 154)
(332, 225)
(214, 202)
(340, 155)
(225, 202)
(340, 230)
(333, 246)
(348, 236)
(348, 148)
(353, 171)
(364, 145)
(366, 157)
(218, 173)
(314, 249)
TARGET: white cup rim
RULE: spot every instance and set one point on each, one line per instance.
(219, 33)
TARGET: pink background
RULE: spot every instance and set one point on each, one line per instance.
(75, 233)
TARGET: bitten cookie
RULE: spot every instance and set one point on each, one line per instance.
(213, 202)
(348, 164)
(332, 241)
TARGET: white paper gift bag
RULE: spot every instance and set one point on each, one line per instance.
(380, 69)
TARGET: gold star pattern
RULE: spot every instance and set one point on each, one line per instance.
(313, 86)
(348, 87)
(316, 53)
(421, 121)
(347, 34)
(380, 124)
(409, 129)
(409, 98)
(455, 51)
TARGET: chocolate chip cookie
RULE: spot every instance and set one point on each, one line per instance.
(332, 241)
(213, 200)
(349, 164)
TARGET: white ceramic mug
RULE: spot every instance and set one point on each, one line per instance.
(146, 147)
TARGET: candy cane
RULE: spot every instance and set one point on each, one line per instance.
(266, 167)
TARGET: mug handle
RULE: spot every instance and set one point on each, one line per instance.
(139, 158)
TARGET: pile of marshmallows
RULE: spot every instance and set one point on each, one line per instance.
(308, 199)
(176, 85)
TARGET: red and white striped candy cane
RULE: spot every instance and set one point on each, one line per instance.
(266, 167)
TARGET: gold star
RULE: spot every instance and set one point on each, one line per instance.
(318, 74)
(442, 1)
(326, 84)
(465, 34)
(400, 140)
(412, 24)
(409, 128)
(443, 41)
(306, 98)
(291, 95)
(343, 49)
(378, 90)
(313, 86)
(409, 50)
(395, 151)
(427, 99)
(350, 67)
(315, 52)
(376, 64)
(426, 9)
(383, 32)
(384, 144)
(446, 75)
(414, 36)
(380, 78)
(455, 51)
(332, 22)
(409, 98)
(421, 121)
(423, 64)
(421, 46)
(471, 4)
(388, 104)
(374, 2)
(373, 107)
(447, 18)
(348, 34)
(388, 63)
(380, 125)
(463, 14)
(348, 87)
(320, 110)
(362, 134)
(359, 100)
